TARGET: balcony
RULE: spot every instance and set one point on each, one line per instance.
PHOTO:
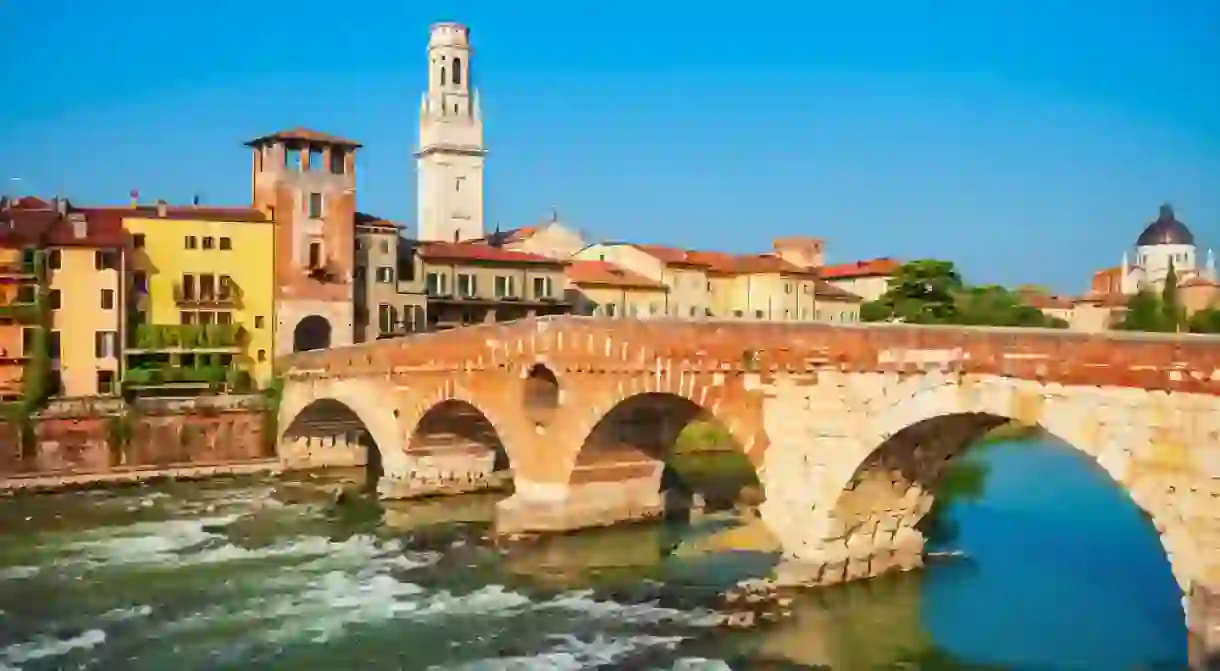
(227, 295)
(172, 338)
(168, 379)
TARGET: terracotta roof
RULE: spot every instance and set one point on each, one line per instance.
(30, 203)
(203, 213)
(25, 228)
(1042, 301)
(465, 251)
(825, 291)
(1106, 300)
(365, 219)
(725, 263)
(1199, 281)
(102, 229)
(305, 135)
(884, 266)
(604, 273)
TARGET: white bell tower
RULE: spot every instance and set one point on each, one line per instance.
(449, 161)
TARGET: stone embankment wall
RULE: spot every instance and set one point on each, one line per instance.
(74, 437)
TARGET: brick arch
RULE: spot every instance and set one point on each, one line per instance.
(973, 407)
(366, 400)
(452, 391)
(695, 392)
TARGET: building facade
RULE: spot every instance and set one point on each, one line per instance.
(389, 299)
(305, 181)
(207, 273)
(602, 289)
(868, 279)
(449, 160)
(468, 284)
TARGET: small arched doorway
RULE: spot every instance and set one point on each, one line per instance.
(312, 332)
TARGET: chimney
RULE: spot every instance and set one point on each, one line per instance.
(162, 209)
(80, 225)
(61, 205)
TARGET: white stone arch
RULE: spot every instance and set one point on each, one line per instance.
(451, 391)
(365, 398)
(1074, 415)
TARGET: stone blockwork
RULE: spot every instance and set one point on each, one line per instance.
(848, 426)
(99, 436)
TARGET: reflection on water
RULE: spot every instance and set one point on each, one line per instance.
(270, 574)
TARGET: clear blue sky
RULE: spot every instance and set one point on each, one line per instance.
(1028, 140)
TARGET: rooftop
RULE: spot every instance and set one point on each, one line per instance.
(477, 252)
(604, 273)
(825, 291)
(301, 134)
(881, 267)
(724, 263)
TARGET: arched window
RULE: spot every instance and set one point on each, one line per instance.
(442, 75)
(457, 72)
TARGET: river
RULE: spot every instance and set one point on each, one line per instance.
(1062, 572)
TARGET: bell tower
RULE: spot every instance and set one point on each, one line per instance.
(449, 162)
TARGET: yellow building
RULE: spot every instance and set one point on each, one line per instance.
(85, 265)
(201, 293)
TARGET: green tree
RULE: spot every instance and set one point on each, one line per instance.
(1171, 310)
(1144, 313)
(1206, 320)
(922, 292)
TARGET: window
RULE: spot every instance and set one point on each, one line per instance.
(105, 259)
(504, 287)
(385, 318)
(207, 287)
(693, 311)
(226, 244)
(467, 285)
(457, 183)
(262, 355)
(435, 284)
(292, 158)
(107, 299)
(225, 288)
(186, 318)
(385, 274)
(457, 72)
(137, 241)
(260, 322)
(188, 287)
(337, 157)
(27, 293)
(314, 159)
(224, 317)
(315, 255)
(315, 206)
(206, 318)
(189, 242)
(54, 259)
(27, 340)
(104, 344)
(542, 287)
(209, 242)
(139, 281)
(54, 298)
(758, 314)
(105, 382)
(611, 309)
(385, 246)
(53, 345)
(787, 287)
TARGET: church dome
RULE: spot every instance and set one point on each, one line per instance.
(1166, 230)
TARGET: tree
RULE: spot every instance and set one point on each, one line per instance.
(922, 292)
(1144, 313)
(1206, 320)
(1171, 310)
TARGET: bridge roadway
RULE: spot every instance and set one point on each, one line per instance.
(849, 427)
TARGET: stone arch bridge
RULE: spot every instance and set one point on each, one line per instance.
(848, 426)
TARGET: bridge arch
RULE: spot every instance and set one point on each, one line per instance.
(457, 424)
(879, 489)
(341, 407)
(445, 407)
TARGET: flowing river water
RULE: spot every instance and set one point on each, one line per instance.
(1062, 572)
